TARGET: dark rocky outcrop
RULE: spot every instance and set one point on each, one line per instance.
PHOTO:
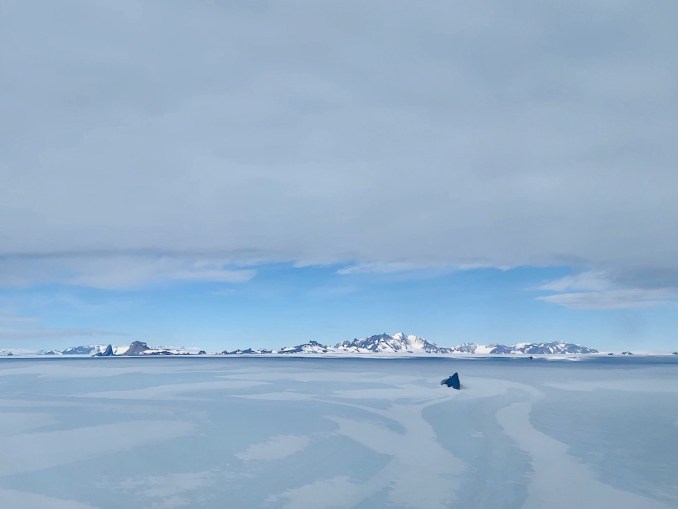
(464, 348)
(202, 352)
(137, 348)
(310, 347)
(452, 381)
(108, 352)
(247, 351)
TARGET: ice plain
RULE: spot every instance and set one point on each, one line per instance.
(217, 432)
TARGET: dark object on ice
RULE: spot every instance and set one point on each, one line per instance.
(627, 353)
(106, 353)
(452, 381)
(202, 352)
(675, 353)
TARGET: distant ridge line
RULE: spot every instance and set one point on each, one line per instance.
(379, 344)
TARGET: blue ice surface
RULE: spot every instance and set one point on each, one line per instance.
(214, 432)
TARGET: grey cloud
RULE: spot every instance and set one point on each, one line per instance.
(115, 272)
(600, 290)
(373, 134)
(632, 298)
(40, 333)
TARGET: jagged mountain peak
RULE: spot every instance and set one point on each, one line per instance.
(387, 343)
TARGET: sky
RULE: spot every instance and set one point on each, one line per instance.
(225, 174)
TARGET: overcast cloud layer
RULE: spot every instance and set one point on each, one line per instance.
(193, 140)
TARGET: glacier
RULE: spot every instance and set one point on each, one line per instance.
(297, 432)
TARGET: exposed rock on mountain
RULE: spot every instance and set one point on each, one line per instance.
(501, 349)
(108, 352)
(310, 347)
(94, 350)
(554, 347)
(137, 348)
(466, 348)
(386, 343)
(247, 351)
(82, 350)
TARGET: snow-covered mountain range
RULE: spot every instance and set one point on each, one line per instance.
(401, 343)
(396, 344)
(135, 348)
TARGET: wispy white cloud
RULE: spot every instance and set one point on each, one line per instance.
(40, 333)
(7, 318)
(379, 268)
(588, 281)
(598, 290)
(116, 271)
(615, 299)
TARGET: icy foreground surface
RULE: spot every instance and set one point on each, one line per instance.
(325, 433)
